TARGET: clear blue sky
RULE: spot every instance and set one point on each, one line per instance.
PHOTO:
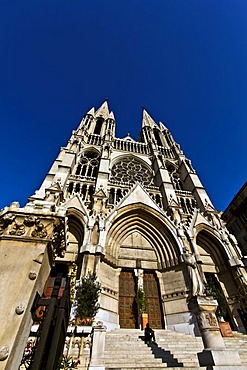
(184, 60)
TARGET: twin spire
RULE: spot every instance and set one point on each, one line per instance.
(147, 120)
(104, 112)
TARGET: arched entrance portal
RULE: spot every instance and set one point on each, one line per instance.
(141, 244)
(128, 314)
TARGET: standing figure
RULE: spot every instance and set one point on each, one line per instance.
(197, 286)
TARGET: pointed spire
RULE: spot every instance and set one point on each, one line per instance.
(163, 127)
(147, 120)
(91, 111)
(103, 111)
(111, 115)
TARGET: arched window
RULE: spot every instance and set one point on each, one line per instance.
(157, 137)
(98, 127)
(111, 196)
(88, 165)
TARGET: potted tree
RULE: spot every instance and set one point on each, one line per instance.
(86, 300)
(214, 290)
(142, 305)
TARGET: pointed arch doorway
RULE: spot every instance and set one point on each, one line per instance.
(128, 314)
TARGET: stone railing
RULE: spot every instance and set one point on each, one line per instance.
(130, 146)
(94, 140)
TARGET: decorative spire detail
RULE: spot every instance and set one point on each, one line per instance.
(147, 120)
(91, 111)
(111, 115)
(162, 126)
(103, 111)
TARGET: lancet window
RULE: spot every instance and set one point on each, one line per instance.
(115, 195)
(130, 170)
(85, 191)
(157, 137)
(98, 127)
(88, 165)
(174, 177)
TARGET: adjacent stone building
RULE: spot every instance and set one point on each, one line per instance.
(133, 212)
(235, 216)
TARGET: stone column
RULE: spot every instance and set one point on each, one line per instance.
(98, 347)
(204, 308)
(214, 353)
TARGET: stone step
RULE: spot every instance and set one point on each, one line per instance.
(121, 360)
(125, 355)
(179, 345)
(126, 349)
(126, 344)
(157, 367)
(134, 365)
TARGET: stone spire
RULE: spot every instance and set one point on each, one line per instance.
(163, 127)
(111, 115)
(147, 120)
(103, 110)
(91, 111)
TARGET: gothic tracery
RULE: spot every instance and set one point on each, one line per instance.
(131, 170)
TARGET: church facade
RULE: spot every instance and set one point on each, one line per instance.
(133, 212)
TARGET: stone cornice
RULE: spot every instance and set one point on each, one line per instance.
(18, 224)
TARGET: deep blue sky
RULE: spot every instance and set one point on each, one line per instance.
(184, 60)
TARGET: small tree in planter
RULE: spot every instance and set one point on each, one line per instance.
(213, 289)
(86, 300)
(142, 304)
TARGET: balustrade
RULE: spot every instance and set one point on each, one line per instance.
(94, 140)
(130, 146)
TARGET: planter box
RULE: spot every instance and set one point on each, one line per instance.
(144, 320)
(225, 329)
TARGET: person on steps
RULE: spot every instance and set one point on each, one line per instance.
(149, 335)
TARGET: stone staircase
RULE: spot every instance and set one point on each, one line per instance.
(238, 342)
(125, 349)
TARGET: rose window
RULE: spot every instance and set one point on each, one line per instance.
(130, 170)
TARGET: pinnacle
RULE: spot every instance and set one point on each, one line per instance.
(162, 126)
(111, 115)
(91, 111)
(103, 110)
(147, 120)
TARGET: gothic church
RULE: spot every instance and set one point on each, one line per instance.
(133, 212)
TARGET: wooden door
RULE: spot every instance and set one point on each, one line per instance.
(127, 304)
(154, 308)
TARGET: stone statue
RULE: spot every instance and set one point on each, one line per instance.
(197, 286)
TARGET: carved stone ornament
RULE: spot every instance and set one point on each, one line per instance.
(5, 221)
(39, 231)
(4, 352)
(30, 220)
(32, 275)
(207, 319)
(20, 309)
(18, 229)
(58, 240)
(211, 319)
